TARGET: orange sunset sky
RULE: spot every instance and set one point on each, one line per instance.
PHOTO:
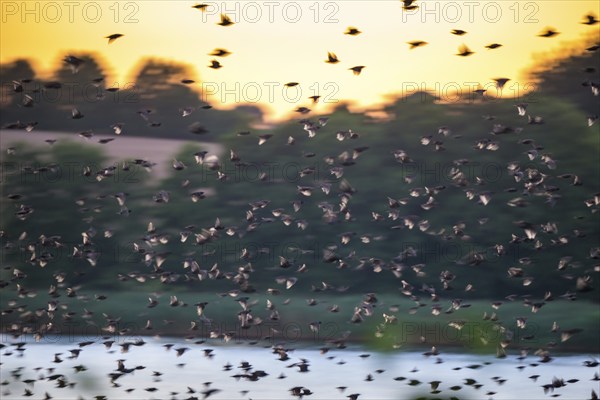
(275, 42)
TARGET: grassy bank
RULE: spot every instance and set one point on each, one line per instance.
(464, 329)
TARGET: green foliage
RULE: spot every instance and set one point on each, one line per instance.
(460, 239)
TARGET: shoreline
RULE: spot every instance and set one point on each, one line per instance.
(304, 343)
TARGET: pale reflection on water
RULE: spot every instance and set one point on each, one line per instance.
(326, 372)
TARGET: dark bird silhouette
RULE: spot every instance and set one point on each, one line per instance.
(214, 64)
(181, 350)
(500, 82)
(493, 46)
(209, 392)
(464, 51)
(225, 21)
(590, 19)
(357, 70)
(262, 139)
(220, 53)
(409, 5)
(332, 58)
(113, 37)
(352, 31)
(417, 43)
(548, 33)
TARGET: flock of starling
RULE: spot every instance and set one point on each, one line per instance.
(463, 50)
(338, 207)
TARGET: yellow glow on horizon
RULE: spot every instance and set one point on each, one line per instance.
(275, 50)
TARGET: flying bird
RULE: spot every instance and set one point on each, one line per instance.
(493, 46)
(262, 139)
(500, 82)
(464, 51)
(267, 205)
(332, 58)
(214, 64)
(521, 109)
(352, 31)
(113, 37)
(220, 53)
(74, 63)
(417, 43)
(408, 5)
(357, 70)
(590, 19)
(225, 21)
(548, 33)
(76, 114)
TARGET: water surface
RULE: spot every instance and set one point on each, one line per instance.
(391, 373)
